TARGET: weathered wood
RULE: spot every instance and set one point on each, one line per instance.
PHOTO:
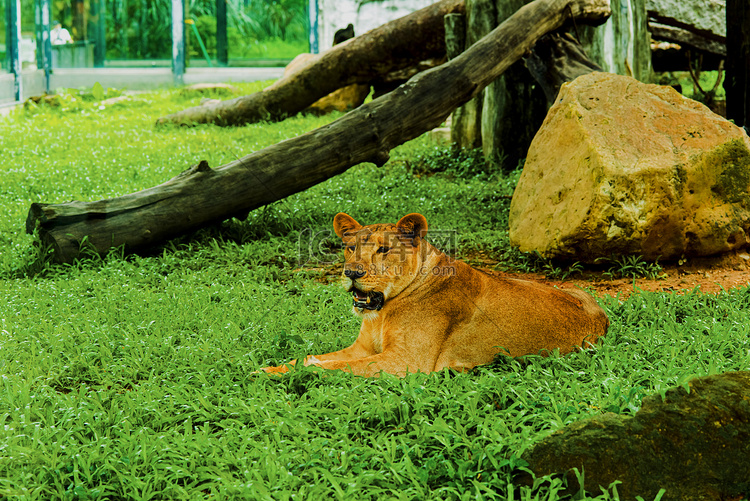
(393, 46)
(738, 62)
(685, 37)
(465, 121)
(466, 126)
(558, 58)
(201, 196)
(705, 18)
(514, 107)
(455, 34)
(623, 45)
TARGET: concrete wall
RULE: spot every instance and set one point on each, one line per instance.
(365, 15)
(32, 83)
(127, 78)
(6, 88)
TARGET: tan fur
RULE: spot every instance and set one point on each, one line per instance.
(439, 312)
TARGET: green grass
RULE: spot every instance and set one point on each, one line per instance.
(133, 377)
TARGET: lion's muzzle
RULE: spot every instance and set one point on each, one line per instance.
(354, 274)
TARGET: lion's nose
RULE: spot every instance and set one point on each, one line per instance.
(354, 274)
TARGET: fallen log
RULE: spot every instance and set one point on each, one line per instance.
(394, 46)
(202, 196)
(688, 38)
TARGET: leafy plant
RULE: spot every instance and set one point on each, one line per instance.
(461, 162)
(631, 266)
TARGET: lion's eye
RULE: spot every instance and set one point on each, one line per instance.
(383, 250)
(350, 248)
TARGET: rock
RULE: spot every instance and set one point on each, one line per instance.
(344, 99)
(46, 99)
(220, 89)
(705, 17)
(620, 167)
(115, 100)
(694, 444)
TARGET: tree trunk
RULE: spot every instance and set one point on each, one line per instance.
(738, 62)
(393, 46)
(201, 196)
(558, 58)
(623, 45)
(514, 107)
(466, 126)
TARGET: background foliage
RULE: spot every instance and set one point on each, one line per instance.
(140, 29)
(257, 28)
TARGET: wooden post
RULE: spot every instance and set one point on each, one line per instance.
(178, 41)
(222, 42)
(623, 44)
(13, 19)
(143, 21)
(314, 26)
(514, 106)
(466, 126)
(737, 82)
(79, 21)
(455, 34)
(43, 42)
(464, 121)
(99, 27)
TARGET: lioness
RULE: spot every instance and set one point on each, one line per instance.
(423, 311)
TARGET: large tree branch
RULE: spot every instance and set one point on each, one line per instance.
(391, 47)
(202, 196)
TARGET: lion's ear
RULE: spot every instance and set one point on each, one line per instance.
(412, 225)
(344, 223)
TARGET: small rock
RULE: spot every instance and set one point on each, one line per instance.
(47, 99)
(115, 100)
(217, 89)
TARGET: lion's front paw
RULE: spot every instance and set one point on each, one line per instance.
(281, 369)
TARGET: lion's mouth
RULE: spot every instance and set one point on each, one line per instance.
(368, 300)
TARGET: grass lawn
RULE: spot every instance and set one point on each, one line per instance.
(128, 378)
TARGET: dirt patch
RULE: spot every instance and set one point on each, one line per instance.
(714, 274)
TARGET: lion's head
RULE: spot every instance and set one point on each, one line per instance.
(381, 259)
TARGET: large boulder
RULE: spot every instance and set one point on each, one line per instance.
(695, 444)
(620, 167)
